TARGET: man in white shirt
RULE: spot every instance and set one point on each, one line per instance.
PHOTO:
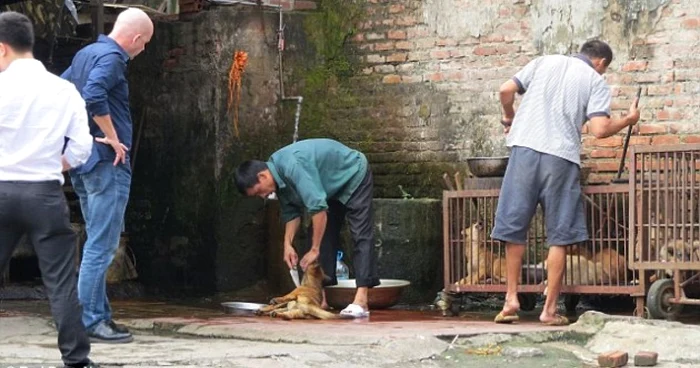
(560, 93)
(38, 111)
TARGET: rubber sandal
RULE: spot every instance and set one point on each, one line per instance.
(502, 318)
(558, 320)
(354, 311)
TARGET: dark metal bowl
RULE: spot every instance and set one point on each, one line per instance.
(380, 297)
(482, 167)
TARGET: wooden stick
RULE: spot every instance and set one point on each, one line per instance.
(458, 181)
(448, 183)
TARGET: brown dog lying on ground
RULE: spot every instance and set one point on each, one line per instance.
(304, 301)
(482, 263)
(612, 264)
(581, 271)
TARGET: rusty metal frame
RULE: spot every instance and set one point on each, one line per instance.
(665, 186)
(455, 201)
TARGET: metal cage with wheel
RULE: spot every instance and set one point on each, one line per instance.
(474, 263)
(665, 226)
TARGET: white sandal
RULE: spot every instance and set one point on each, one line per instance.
(354, 311)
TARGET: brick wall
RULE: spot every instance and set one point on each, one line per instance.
(454, 54)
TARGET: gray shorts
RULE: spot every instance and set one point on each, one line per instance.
(533, 177)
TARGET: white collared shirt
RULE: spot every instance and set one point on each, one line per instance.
(38, 110)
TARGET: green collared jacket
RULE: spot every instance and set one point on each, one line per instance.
(311, 172)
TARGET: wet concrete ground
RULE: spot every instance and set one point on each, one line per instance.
(200, 333)
(167, 334)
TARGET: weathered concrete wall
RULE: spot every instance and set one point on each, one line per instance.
(409, 245)
(186, 218)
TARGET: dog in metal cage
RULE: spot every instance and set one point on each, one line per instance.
(482, 263)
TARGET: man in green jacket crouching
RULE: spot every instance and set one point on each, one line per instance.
(330, 181)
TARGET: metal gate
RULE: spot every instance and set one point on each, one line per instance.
(665, 228)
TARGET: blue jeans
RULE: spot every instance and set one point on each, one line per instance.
(103, 194)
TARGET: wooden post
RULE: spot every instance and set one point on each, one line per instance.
(173, 7)
(98, 18)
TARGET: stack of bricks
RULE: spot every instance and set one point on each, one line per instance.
(617, 358)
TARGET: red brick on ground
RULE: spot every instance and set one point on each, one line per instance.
(612, 359)
(646, 359)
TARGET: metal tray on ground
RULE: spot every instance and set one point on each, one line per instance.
(241, 308)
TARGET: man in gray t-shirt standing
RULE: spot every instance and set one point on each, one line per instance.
(563, 92)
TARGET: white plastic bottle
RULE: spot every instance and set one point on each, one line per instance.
(342, 272)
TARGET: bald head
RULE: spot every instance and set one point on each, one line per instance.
(132, 31)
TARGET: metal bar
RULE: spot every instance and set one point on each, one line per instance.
(607, 188)
(473, 193)
(668, 148)
(685, 301)
(539, 288)
(677, 284)
(691, 279)
(658, 211)
(631, 254)
(683, 203)
(463, 267)
(446, 239)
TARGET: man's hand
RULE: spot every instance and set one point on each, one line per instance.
(507, 123)
(65, 166)
(309, 257)
(633, 113)
(290, 256)
(119, 149)
(604, 126)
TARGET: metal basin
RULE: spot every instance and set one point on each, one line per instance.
(533, 274)
(241, 308)
(482, 167)
(380, 297)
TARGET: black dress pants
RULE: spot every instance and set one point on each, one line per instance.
(358, 211)
(39, 209)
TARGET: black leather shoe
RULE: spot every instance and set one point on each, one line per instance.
(89, 364)
(118, 328)
(102, 333)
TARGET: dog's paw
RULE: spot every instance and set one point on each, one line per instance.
(273, 314)
(259, 312)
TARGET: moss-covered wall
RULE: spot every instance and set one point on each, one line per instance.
(191, 230)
